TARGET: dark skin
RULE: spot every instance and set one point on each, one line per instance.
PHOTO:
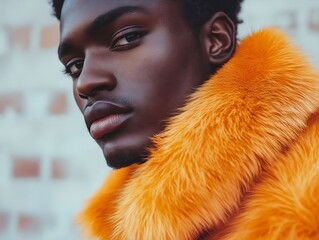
(133, 64)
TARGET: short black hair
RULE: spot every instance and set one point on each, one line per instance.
(196, 12)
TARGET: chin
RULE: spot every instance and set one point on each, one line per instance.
(125, 158)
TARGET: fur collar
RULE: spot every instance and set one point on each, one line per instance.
(231, 129)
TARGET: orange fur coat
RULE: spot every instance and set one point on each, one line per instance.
(240, 160)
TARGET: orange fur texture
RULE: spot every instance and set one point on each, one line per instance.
(239, 161)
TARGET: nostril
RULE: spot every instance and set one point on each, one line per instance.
(102, 88)
(95, 91)
(91, 83)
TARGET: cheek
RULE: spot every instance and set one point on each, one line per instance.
(158, 62)
(170, 69)
(165, 73)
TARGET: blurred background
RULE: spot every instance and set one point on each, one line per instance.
(49, 165)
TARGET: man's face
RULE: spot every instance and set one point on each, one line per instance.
(133, 64)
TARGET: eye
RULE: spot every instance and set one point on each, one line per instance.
(74, 67)
(126, 40)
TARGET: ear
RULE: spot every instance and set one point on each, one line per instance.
(218, 37)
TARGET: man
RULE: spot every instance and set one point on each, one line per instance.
(206, 142)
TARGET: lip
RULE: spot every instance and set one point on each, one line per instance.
(104, 117)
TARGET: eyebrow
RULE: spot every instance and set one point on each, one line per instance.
(111, 16)
(100, 22)
(64, 49)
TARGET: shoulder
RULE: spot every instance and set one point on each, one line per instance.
(285, 204)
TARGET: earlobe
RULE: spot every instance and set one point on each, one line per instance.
(219, 38)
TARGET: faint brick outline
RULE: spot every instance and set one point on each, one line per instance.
(58, 169)
(49, 36)
(290, 17)
(58, 103)
(26, 167)
(313, 22)
(4, 221)
(28, 223)
(19, 36)
(12, 100)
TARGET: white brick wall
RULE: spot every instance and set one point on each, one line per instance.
(48, 163)
(299, 18)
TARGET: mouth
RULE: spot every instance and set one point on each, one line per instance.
(103, 118)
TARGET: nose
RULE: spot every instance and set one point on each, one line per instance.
(95, 77)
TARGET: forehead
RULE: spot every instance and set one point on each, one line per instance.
(86, 8)
(77, 12)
